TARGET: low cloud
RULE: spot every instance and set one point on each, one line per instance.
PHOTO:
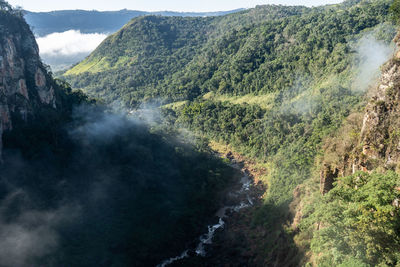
(371, 54)
(29, 235)
(69, 43)
(98, 125)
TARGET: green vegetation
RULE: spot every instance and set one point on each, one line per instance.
(138, 191)
(395, 10)
(83, 186)
(266, 101)
(10, 18)
(263, 50)
(285, 137)
(357, 223)
(272, 82)
(160, 52)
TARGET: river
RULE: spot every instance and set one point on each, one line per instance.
(239, 199)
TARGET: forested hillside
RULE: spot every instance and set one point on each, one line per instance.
(349, 213)
(263, 50)
(146, 55)
(102, 189)
(81, 185)
(93, 21)
(275, 84)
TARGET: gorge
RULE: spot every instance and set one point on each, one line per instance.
(263, 137)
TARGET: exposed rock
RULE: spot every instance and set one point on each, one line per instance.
(25, 85)
(380, 136)
(396, 203)
(23, 90)
(40, 79)
(378, 144)
(375, 129)
(327, 177)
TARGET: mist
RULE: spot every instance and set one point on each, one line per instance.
(109, 191)
(371, 54)
(28, 234)
(69, 43)
(63, 49)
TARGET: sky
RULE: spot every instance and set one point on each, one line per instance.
(157, 5)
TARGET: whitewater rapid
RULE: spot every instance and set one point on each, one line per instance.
(242, 195)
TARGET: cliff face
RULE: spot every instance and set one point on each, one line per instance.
(380, 133)
(377, 144)
(25, 85)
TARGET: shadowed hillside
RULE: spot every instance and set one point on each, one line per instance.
(81, 185)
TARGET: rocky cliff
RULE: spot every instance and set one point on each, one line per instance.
(380, 133)
(371, 140)
(25, 84)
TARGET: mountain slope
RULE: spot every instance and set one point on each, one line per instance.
(74, 26)
(259, 51)
(44, 23)
(163, 52)
(26, 88)
(83, 186)
(273, 87)
(358, 193)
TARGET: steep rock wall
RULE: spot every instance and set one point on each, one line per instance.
(380, 133)
(378, 141)
(25, 84)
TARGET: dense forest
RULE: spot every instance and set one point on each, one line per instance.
(81, 185)
(278, 85)
(108, 189)
(131, 64)
(94, 21)
(263, 50)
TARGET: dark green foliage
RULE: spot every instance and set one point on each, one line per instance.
(82, 186)
(257, 51)
(285, 136)
(302, 57)
(160, 47)
(359, 222)
(142, 196)
(155, 49)
(11, 19)
(4, 6)
(395, 10)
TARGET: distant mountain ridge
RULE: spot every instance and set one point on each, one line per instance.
(93, 21)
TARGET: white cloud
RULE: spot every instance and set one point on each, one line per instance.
(69, 43)
(371, 54)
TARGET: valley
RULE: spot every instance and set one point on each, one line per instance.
(265, 136)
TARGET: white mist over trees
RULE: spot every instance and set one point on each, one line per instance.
(63, 49)
(371, 54)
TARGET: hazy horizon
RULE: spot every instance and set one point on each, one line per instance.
(157, 5)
